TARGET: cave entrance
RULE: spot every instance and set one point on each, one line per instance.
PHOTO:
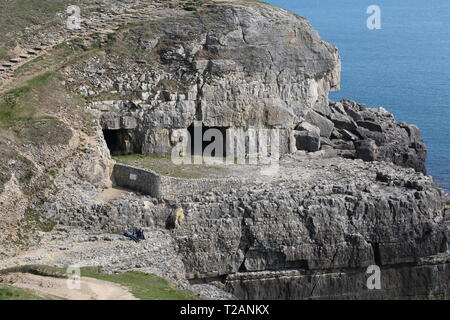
(120, 142)
(208, 137)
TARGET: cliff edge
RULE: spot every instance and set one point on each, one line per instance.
(351, 190)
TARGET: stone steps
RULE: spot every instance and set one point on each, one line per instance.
(101, 23)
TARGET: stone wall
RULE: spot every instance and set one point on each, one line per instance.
(158, 186)
(137, 179)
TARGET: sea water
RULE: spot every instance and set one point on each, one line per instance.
(403, 67)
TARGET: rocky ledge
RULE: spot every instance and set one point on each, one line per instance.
(321, 217)
(350, 192)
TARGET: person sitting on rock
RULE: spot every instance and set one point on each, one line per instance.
(140, 234)
(131, 236)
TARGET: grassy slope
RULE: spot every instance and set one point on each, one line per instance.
(10, 293)
(17, 15)
(28, 116)
(19, 104)
(20, 14)
(142, 286)
(164, 166)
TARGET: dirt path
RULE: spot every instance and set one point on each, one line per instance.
(111, 194)
(57, 288)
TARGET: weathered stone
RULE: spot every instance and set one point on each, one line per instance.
(306, 126)
(370, 125)
(111, 122)
(319, 215)
(128, 123)
(326, 126)
(309, 138)
(342, 144)
(407, 282)
(307, 141)
(347, 135)
(366, 150)
(342, 122)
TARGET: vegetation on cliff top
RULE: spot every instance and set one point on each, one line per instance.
(33, 16)
(163, 165)
(20, 104)
(142, 286)
(11, 293)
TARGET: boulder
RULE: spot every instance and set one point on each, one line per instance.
(307, 137)
(366, 150)
(306, 126)
(343, 145)
(348, 135)
(326, 126)
(343, 122)
(370, 125)
(353, 109)
(128, 122)
(412, 130)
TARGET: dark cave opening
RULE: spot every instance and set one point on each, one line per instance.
(376, 253)
(208, 136)
(120, 142)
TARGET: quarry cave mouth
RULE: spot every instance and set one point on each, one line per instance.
(205, 141)
(121, 142)
(126, 141)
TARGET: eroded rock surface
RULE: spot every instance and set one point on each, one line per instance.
(317, 216)
(350, 191)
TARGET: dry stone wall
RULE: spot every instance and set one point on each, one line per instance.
(166, 187)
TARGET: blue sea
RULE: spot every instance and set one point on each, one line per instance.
(403, 67)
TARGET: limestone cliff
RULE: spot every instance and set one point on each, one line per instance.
(351, 189)
(230, 65)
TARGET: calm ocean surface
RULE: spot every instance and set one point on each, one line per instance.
(404, 67)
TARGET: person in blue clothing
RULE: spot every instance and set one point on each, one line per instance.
(131, 236)
(140, 234)
(137, 236)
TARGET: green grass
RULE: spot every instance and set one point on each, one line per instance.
(17, 15)
(23, 13)
(39, 270)
(10, 293)
(142, 286)
(34, 220)
(163, 165)
(4, 55)
(59, 56)
(17, 104)
(41, 79)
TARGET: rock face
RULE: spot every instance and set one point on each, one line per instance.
(376, 135)
(234, 65)
(319, 218)
(425, 281)
(231, 65)
(355, 196)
